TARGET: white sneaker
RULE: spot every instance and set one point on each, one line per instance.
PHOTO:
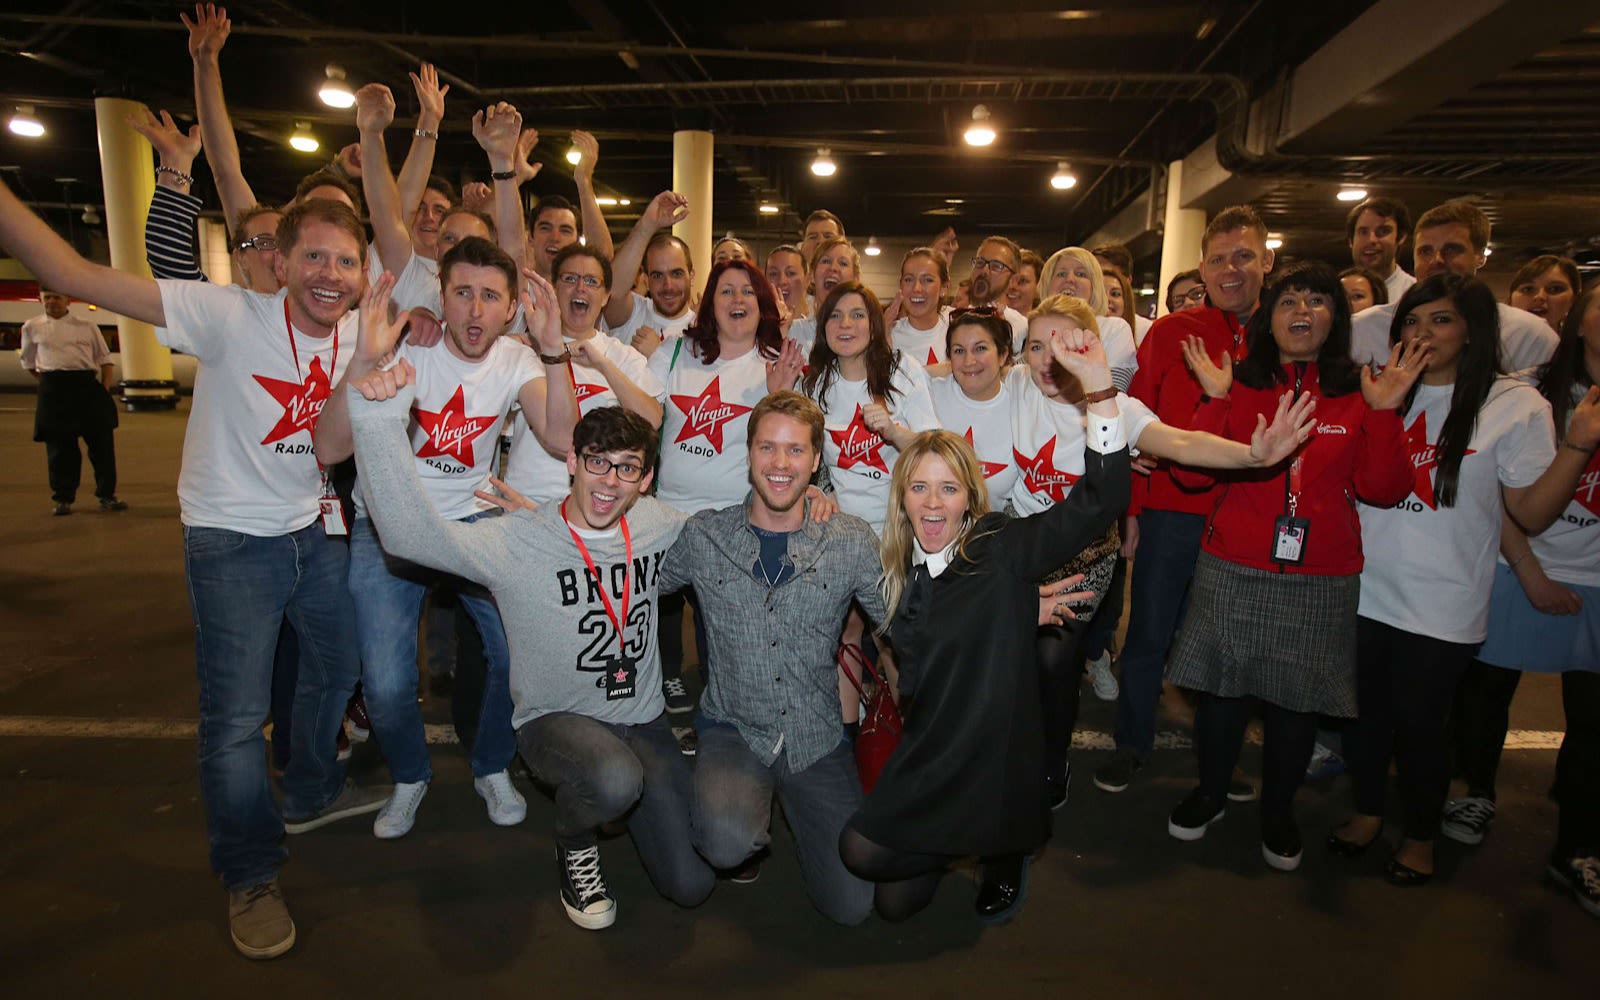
(1104, 681)
(395, 819)
(506, 805)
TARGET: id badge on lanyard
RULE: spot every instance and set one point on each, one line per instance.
(1289, 532)
(328, 503)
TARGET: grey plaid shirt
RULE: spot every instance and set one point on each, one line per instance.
(773, 673)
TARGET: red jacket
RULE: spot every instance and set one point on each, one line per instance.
(1355, 452)
(1164, 383)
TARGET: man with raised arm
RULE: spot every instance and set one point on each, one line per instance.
(642, 321)
(258, 524)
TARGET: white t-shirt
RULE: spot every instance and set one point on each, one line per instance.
(986, 425)
(927, 346)
(1398, 283)
(1122, 354)
(541, 476)
(456, 421)
(1526, 341)
(859, 461)
(68, 344)
(644, 314)
(1019, 329)
(803, 330)
(375, 266)
(1429, 568)
(704, 425)
(1141, 326)
(1048, 440)
(418, 286)
(248, 465)
(1569, 550)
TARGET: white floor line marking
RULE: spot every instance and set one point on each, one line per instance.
(80, 727)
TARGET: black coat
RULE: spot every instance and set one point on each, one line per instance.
(968, 775)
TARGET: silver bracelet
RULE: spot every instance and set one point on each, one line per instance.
(426, 133)
(175, 172)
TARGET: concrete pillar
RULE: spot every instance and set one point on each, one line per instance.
(215, 260)
(127, 174)
(691, 177)
(1180, 237)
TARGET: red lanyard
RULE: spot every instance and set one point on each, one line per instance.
(627, 576)
(333, 363)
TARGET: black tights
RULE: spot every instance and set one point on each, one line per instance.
(1482, 719)
(1060, 653)
(905, 881)
(1219, 725)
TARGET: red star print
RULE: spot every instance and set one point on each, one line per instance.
(859, 446)
(583, 390)
(933, 358)
(990, 469)
(1424, 457)
(1588, 492)
(450, 431)
(704, 415)
(1040, 475)
(620, 675)
(302, 403)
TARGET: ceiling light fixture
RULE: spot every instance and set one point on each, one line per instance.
(605, 201)
(574, 156)
(625, 201)
(24, 124)
(1064, 178)
(823, 165)
(303, 140)
(873, 249)
(981, 132)
(335, 93)
(1351, 194)
(1274, 241)
(767, 208)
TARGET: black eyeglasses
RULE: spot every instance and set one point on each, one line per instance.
(984, 264)
(599, 465)
(1195, 294)
(262, 242)
(572, 278)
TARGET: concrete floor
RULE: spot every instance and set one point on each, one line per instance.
(104, 888)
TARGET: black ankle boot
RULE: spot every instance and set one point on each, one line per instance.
(1004, 886)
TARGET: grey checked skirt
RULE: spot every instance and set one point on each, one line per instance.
(1286, 638)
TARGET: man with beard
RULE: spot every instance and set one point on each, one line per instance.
(259, 518)
(642, 321)
(997, 260)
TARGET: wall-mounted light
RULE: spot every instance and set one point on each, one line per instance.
(1064, 179)
(24, 124)
(335, 93)
(303, 140)
(823, 165)
(981, 132)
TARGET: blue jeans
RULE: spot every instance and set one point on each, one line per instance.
(388, 594)
(241, 588)
(732, 815)
(1169, 544)
(603, 771)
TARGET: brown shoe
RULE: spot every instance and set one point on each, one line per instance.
(259, 921)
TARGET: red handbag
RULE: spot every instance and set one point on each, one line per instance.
(880, 727)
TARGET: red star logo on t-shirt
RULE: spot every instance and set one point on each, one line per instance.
(859, 446)
(450, 431)
(990, 469)
(933, 358)
(583, 390)
(1424, 457)
(302, 402)
(704, 415)
(1588, 492)
(1040, 475)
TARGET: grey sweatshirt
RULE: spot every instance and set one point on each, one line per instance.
(564, 648)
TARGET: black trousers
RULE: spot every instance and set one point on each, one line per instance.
(1480, 720)
(1061, 664)
(1405, 685)
(65, 464)
(1219, 725)
(1578, 766)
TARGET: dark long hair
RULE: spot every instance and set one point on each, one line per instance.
(880, 357)
(703, 333)
(1336, 373)
(1566, 368)
(1476, 368)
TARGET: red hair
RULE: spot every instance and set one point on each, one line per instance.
(703, 332)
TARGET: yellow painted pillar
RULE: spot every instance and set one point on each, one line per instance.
(691, 177)
(1181, 234)
(215, 260)
(128, 179)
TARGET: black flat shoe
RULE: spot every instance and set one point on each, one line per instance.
(1404, 876)
(1005, 886)
(1343, 848)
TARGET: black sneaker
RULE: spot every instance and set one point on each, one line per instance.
(1581, 876)
(677, 696)
(1466, 820)
(1193, 815)
(1056, 789)
(1280, 845)
(61, 510)
(1118, 772)
(688, 740)
(583, 889)
(1240, 790)
(747, 872)
(112, 504)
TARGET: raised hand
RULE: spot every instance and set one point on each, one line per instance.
(525, 166)
(430, 96)
(1387, 390)
(589, 154)
(374, 108)
(504, 497)
(1583, 427)
(543, 312)
(379, 331)
(1215, 380)
(208, 32)
(1290, 428)
(349, 160)
(385, 383)
(667, 209)
(476, 196)
(176, 147)
(1083, 356)
(891, 312)
(784, 370)
(497, 129)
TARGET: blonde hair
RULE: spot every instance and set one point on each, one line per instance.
(1097, 275)
(1068, 307)
(898, 539)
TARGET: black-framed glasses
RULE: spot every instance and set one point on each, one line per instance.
(573, 277)
(263, 242)
(985, 264)
(599, 465)
(1195, 294)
